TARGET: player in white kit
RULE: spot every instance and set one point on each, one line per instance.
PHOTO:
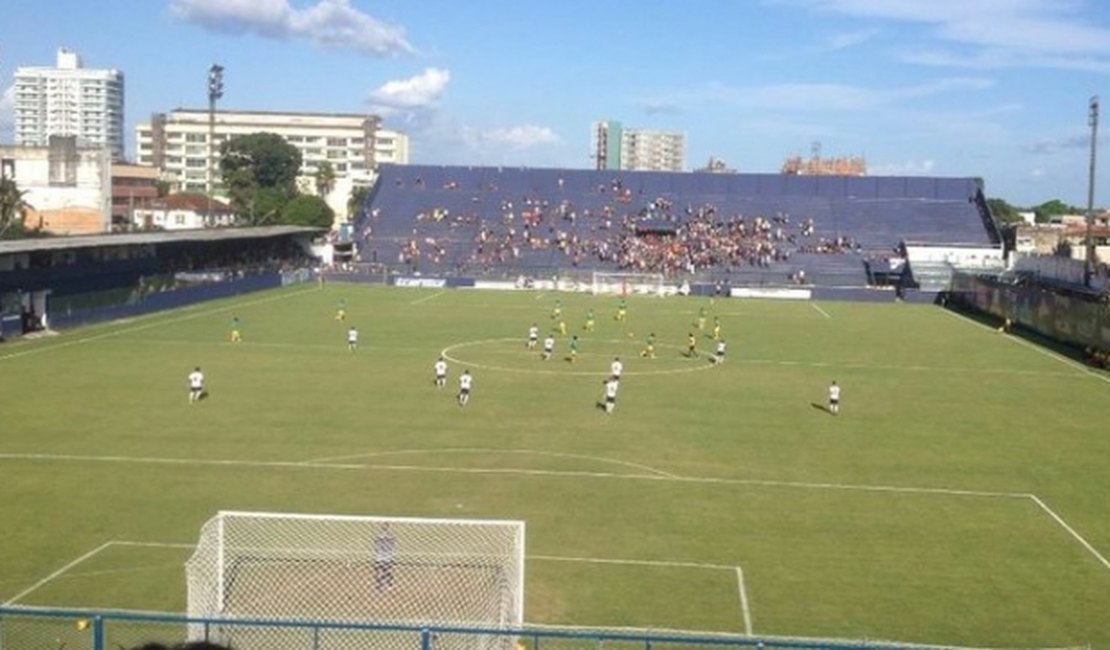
(441, 373)
(465, 381)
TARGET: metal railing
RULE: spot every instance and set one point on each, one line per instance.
(79, 629)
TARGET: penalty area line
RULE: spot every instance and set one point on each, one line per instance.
(1071, 531)
(819, 310)
(745, 609)
(41, 583)
(745, 606)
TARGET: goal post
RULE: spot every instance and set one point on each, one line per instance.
(358, 569)
(627, 283)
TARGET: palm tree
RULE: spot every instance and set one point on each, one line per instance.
(13, 207)
(325, 179)
(356, 200)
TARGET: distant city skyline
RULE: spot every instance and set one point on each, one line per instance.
(981, 88)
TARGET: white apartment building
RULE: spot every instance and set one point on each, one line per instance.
(69, 100)
(617, 147)
(176, 143)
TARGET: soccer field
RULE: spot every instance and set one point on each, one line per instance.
(960, 497)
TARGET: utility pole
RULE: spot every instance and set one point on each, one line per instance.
(1092, 121)
(215, 91)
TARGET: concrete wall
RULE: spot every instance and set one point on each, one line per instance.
(68, 189)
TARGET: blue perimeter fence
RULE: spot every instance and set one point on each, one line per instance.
(33, 628)
(162, 301)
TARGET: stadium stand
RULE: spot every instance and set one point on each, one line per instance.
(746, 228)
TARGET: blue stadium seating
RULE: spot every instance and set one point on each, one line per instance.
(450, 206)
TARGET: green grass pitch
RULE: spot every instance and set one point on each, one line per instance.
(926, 511)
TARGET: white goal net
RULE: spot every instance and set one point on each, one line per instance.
(622, 283)
(348, 569)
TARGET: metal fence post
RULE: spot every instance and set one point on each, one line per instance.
(98, 633)
(425, 639)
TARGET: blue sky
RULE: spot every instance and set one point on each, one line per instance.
(989, 88)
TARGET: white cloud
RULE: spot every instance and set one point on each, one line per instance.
(521, 137)
(330, 24)
(990, 33)
(416, 92)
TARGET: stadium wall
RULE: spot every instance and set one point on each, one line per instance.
(845, 294)
(1075, 319)
(149, 303)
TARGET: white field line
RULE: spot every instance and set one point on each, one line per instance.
(450, 350)
(819, 310)
(698, 365)
(427, 298)
(138, 328)
(481, 450)
(744, 608)
(1077, 536)
(40, 583)
(1036, 348)
(200, 462)
(890, 489)
(341, 348)
(916, 368)
(652, 563)
(118, 542)
(188, 462)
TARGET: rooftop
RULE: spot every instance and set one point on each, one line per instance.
(149, 238)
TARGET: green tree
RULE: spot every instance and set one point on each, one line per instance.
(252, 163)
(1003, 212)
(325, 179)
(13, 208)
(267, 205)
(357, 200)
(306, 210)
(1054, 208)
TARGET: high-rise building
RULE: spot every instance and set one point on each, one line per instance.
(616, 147)
(69, 100)
(176, 143)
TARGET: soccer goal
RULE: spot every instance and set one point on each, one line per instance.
(623, 283)
(349, 569)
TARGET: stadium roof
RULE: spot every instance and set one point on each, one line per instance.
(145, 238)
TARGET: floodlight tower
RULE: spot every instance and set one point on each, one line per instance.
(1092, 121)
(215, 91)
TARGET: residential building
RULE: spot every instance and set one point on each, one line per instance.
(69, 100)
(617, 147)
(185, 211)
(133, 186)
(176, 143)
(68, 187)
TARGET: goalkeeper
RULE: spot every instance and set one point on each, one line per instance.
(385, 555)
